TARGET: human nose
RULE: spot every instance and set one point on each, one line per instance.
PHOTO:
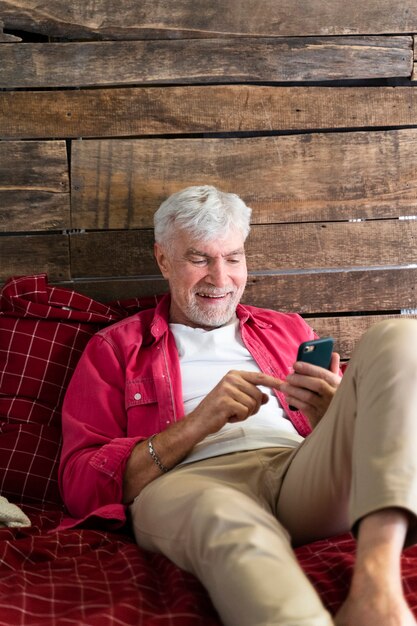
(218, 273)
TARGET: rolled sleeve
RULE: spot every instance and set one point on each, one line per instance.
(111, 459)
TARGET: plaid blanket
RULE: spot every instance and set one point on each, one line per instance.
(96, 577)
(92, 576)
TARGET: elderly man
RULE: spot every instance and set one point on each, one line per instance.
(184, 414)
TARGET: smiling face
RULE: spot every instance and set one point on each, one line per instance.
(206, 278)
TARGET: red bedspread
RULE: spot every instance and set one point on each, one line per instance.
(89, 577)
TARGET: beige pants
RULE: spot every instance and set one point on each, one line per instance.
(232, 520)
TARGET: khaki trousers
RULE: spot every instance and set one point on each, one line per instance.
(232, 520)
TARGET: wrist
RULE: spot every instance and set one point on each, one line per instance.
(155, 456)
(196, 429)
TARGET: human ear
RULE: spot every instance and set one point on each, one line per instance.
(162, 259)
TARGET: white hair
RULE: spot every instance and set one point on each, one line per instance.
(204, 211)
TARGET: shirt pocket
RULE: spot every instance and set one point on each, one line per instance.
(141, 407)
(140, 392)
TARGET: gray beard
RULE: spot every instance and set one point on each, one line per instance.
(213, 318)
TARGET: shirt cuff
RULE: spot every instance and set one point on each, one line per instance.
(111, 458)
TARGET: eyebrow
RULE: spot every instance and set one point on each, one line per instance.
(195, 252)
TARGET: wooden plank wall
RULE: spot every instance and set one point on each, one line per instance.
(306, 110)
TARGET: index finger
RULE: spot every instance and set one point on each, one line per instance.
(259, 378)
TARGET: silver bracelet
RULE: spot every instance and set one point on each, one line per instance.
(154, 456)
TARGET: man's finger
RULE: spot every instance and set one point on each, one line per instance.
(335, 363)
(259, 378)
(313, 371)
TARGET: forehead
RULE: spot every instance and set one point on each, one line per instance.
(232, 241)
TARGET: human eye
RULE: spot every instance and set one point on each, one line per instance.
(199, 261)
(234, 260)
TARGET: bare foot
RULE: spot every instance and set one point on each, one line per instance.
(377, 610)
(376, 596)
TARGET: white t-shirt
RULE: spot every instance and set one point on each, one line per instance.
(205, 357)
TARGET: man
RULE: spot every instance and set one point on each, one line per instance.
(182, 413)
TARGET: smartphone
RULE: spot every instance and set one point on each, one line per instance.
(317, 352)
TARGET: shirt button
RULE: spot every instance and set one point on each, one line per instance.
(137, 396)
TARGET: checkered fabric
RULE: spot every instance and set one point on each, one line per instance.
(92, 576)
(43, 331)
(102, 578)
(329, 565)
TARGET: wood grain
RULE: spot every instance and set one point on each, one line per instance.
(35, 254)
(377, 291)
(117, 288)
(34, 164)
(196, 18)
(307, 177)
(32, 210)
(347, 330)
(34, 186)
(275, 248)
(204, 61)
(113, 253)
(133, 111)
(338, 291)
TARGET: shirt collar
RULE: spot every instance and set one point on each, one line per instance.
(248, 314)
(159, 324)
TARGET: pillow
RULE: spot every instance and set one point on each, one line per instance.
(43, 331)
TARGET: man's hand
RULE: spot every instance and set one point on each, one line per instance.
(311, 389)
(235, 398)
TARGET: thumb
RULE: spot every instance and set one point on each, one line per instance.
(335, 363)
(265, 398)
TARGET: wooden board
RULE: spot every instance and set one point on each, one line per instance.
(35, 254)
(336, 291)
(34, 186)
(275, 248)
(281, 247)
(36, 164)
(314, 294)
(210, 109)
(195, 18)
(307, 177)
(204, 61)
(114, 289)
(347, 330)
(113, 253)
(31, 210)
